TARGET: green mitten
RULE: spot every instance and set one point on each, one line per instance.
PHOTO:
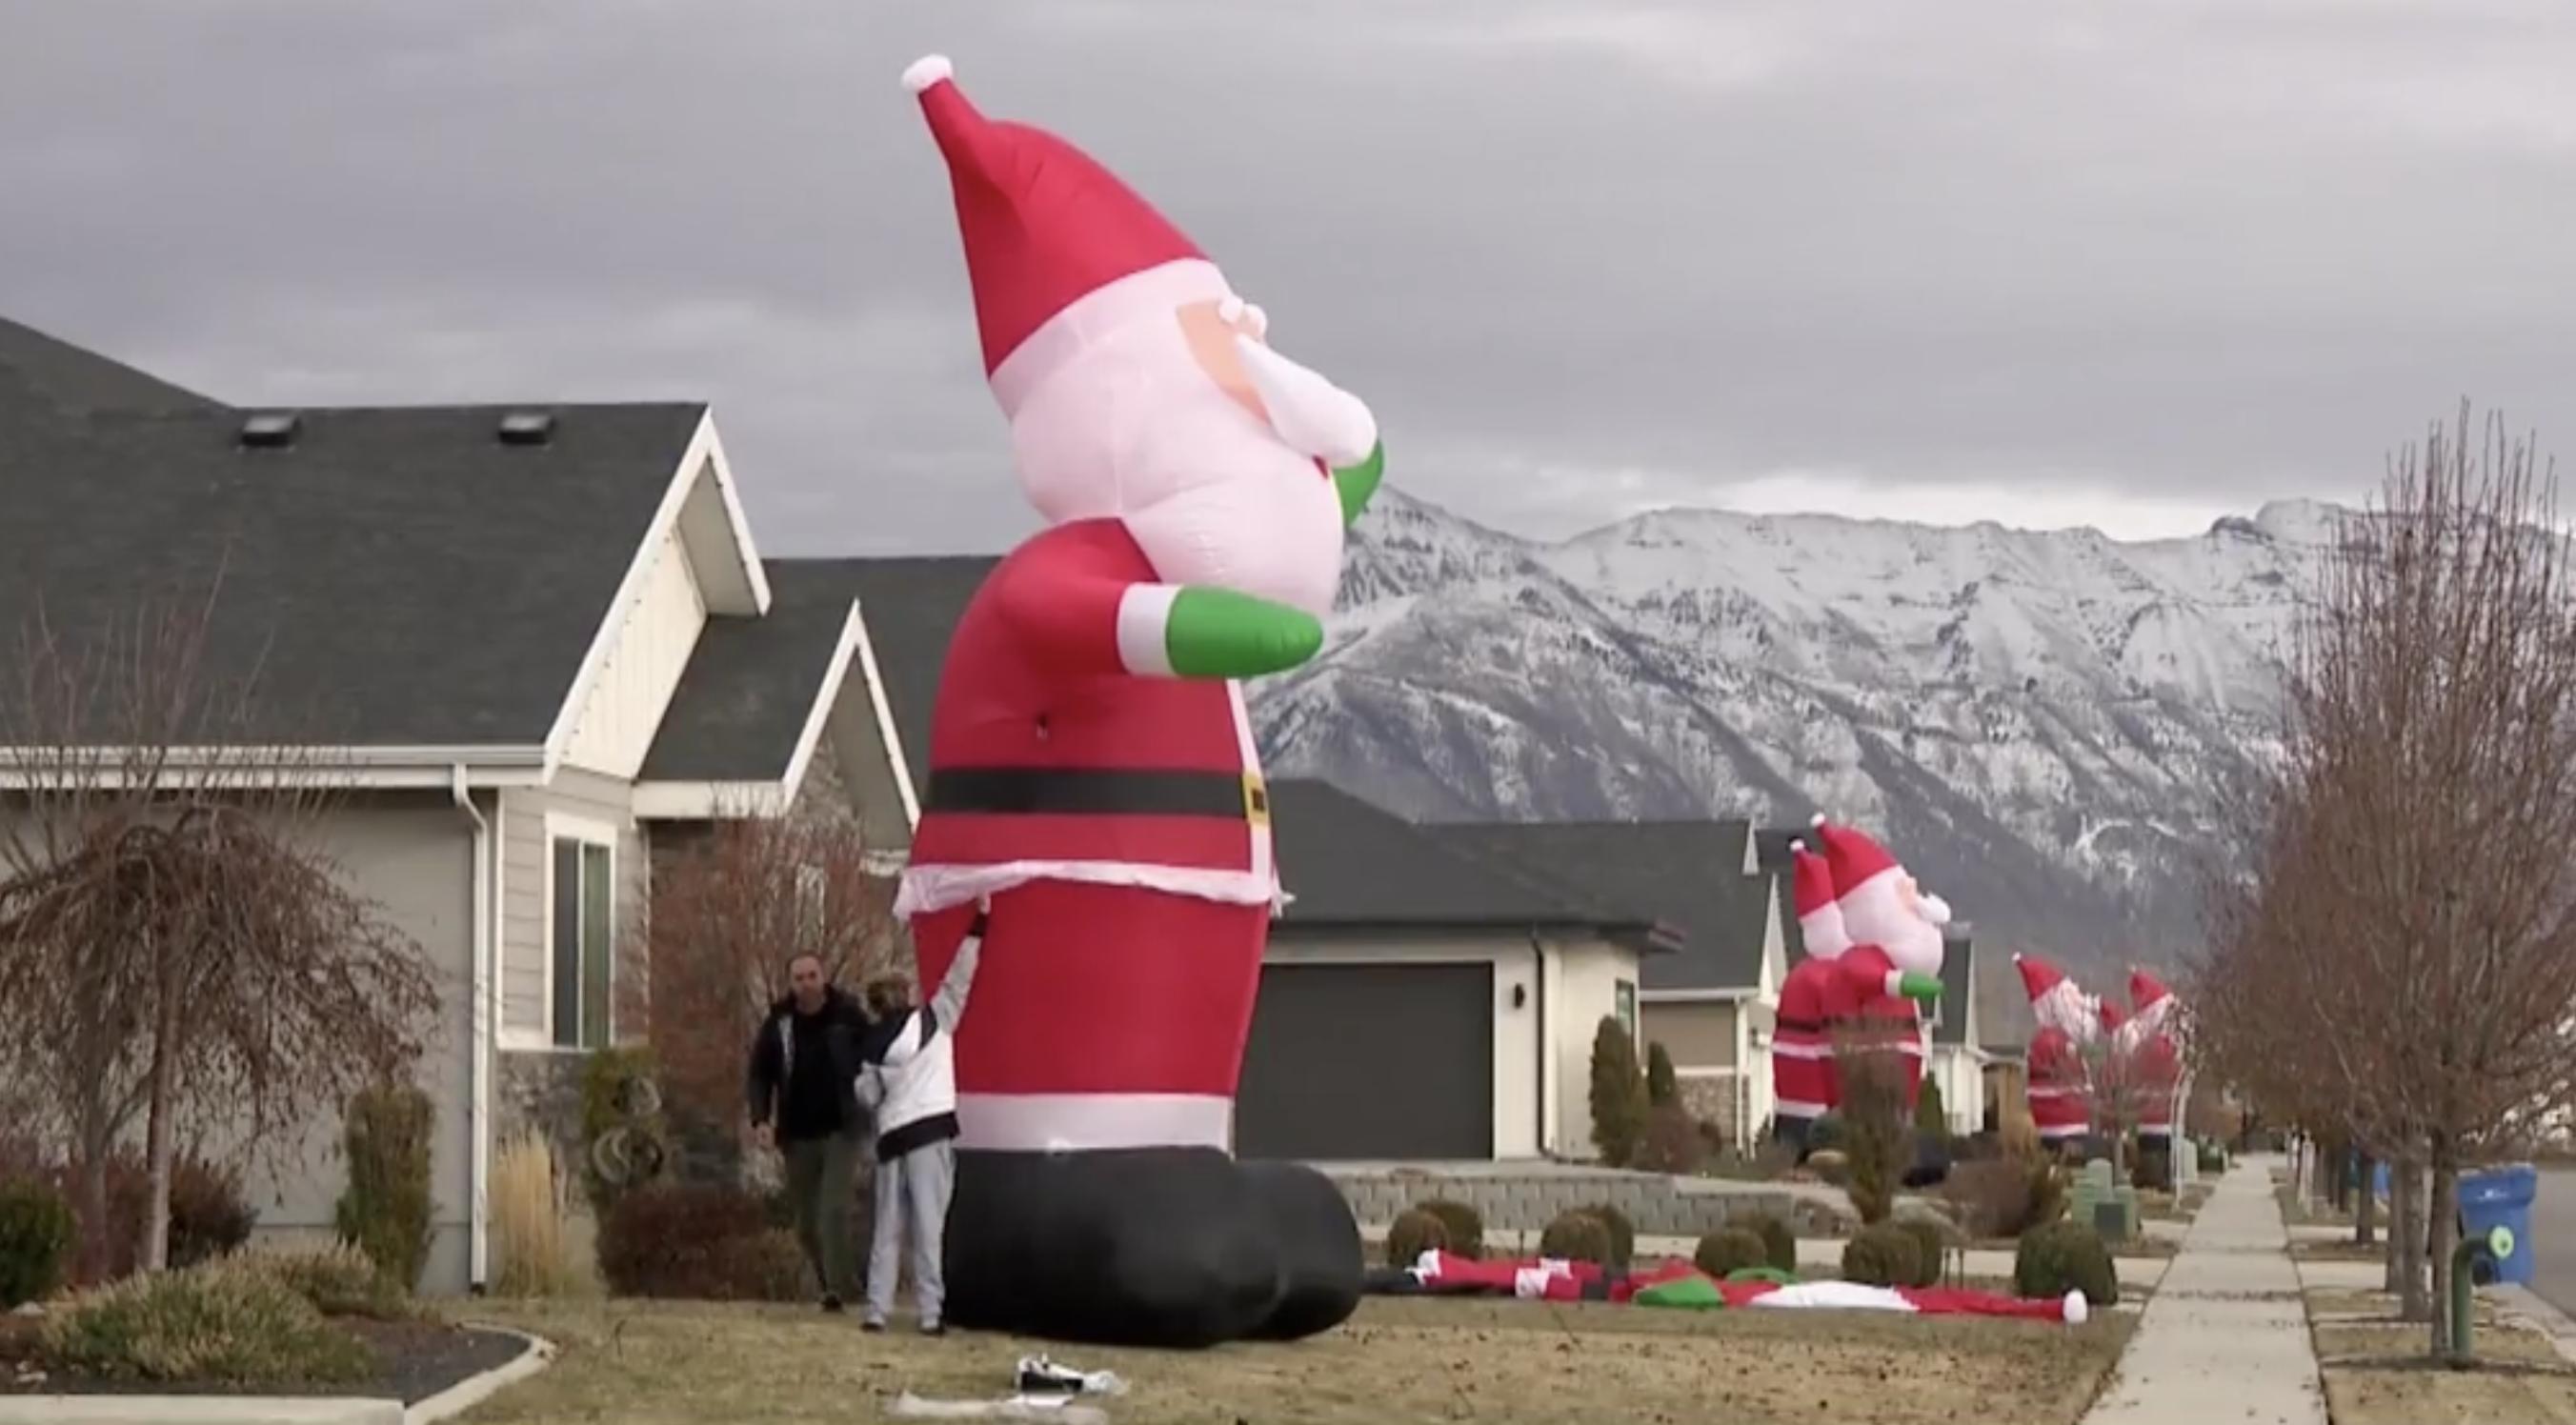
(1917, 985)
(1356, 483)
(1218, 633)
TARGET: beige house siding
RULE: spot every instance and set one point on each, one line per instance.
(575, 803)
(1697, 1035)
(647, 652)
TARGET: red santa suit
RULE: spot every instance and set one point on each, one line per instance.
(2156, 1058)
(1813, 1000)
(1092, 768)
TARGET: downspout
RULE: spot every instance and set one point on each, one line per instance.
(479, 1068)
(1538, 997)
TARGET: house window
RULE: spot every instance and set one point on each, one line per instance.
(581, 937)
(1626, 998)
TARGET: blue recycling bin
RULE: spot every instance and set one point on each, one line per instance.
(2501, 1197)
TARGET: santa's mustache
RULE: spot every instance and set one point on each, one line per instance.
(1314, 416)
(1935, 909)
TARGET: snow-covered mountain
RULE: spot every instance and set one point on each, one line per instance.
(2041, 724)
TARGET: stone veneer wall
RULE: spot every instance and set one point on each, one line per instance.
(1526, 1203)
(1711, 1101)
(541, 1091)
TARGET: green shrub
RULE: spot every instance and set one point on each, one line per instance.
(1931, 1244)
(1882, 1255)
(1663, 1086)
(1674, 1142)
(1875, 1139)
(1413, 1233)
(700, 1242)
(621, 1108)
(209, 1215)
(1779, 1239)
(385, 1211)
(1623, 1233)
(1618, 1093)
(1463, 1224)
(339, 1280)
(1576, 1236)
(2213, 1158)
(2048, 1192)
(2060, 1257)
(1730, 1250)
(37, 1232)
(219, 1322)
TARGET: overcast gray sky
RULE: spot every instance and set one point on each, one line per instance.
(2126, 264)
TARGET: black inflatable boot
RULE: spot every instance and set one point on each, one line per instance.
(1321, 1263)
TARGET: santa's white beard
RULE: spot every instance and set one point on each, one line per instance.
(2068, 1010)
(1134, 429)
(1874, 916)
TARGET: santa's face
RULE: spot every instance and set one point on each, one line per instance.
(1889, 911)
(1162, 425)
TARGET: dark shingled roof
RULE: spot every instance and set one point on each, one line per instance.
(1688, 874)
(40, 374)
(752, 683)
(395, 577)
(1958, 990)
(1348, 863)
(912, 606)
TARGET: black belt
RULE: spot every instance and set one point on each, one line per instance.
(1098, 791)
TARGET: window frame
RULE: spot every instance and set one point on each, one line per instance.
(588, 833)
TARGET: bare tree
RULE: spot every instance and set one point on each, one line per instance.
(2415, 922)
(169, 925)
(729, 909)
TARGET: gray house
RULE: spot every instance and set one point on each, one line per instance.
(526, 639)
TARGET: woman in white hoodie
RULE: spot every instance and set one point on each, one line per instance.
(910, 1079)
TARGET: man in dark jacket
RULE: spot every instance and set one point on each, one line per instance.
(802, 1085)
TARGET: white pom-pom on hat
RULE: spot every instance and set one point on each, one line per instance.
(1817, 821)
(926, 71)
(2077, 1308)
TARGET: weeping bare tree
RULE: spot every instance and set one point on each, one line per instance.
(175, 941)
(728, 911)
(2405, 958)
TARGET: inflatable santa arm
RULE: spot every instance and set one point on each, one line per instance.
(1086, 615)
(1870, 974)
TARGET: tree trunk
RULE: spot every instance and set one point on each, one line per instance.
(158, 1145)
(2413, 1304)
(98, 1144)
(2441, 1224)
(2365, 1214)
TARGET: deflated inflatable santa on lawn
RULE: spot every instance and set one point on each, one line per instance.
(1092, 768)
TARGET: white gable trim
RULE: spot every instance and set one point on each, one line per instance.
(737, 586)
(1696, 996)
(389, 766)
(897, 762)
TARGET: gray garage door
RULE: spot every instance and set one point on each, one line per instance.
(1369, 1061)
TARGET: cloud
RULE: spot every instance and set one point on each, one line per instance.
(1581, 256)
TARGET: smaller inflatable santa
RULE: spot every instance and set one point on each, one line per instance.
(2154, 1066)
(2061, 1104)
(1813, 1000)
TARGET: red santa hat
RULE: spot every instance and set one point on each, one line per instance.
(2038, 977)
(1856, 858)
(1057, 247)
(2146, 992)
(2112, 1018)
(1820, 913)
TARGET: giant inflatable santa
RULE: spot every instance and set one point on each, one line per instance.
(1092, 770)
(2061, 1105)
(1896, 949)
(2155, 1067)
(1814, 1000)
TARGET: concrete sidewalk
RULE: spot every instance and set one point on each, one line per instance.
(2226, 1335)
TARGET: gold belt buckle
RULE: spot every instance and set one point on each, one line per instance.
(1256, 799)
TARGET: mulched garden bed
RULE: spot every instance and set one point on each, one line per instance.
(414, 1361)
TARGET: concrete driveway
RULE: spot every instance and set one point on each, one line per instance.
(2553, 1234)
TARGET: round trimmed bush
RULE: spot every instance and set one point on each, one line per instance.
(1412, 1234)
(1779, 1239)
(37, 1231)
(1882, 1255)
(1623, 1234)
(1576, 1236)
(1730, 1250)
(699, 1242)
(1931, 1244)
(225, 1321)
(1464, 1225)
(1825, 1133)
(2058, 1257)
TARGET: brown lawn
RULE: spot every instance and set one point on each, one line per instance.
(1399, 1360)
(2376, 1372)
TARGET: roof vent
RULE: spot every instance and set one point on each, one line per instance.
(269, 430)
(527, 428)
